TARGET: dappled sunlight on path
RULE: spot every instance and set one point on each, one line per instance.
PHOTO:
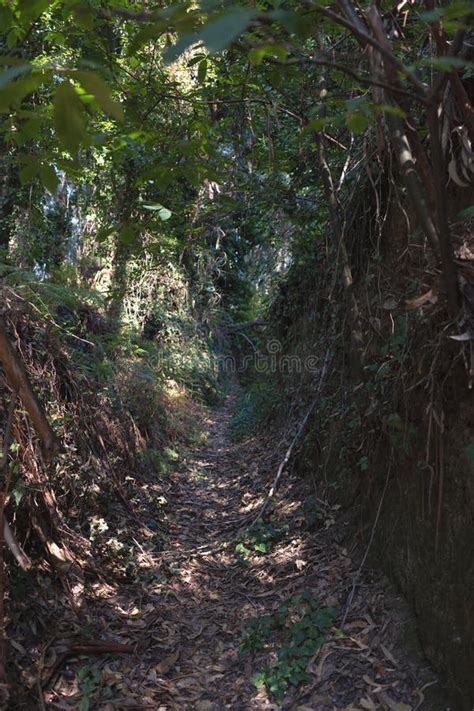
(188, 612)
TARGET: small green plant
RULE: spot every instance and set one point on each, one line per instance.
(296, 631)
(89, 677)
(200, 474)
(260, 538)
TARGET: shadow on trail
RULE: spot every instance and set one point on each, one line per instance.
(187, 611)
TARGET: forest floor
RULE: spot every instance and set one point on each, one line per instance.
(188, 615)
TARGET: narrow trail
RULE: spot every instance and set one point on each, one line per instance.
(188, 618)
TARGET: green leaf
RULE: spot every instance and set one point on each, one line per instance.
(218, 34)
(18, 492)
(95, 85)
(13, 37)
(69, 117)
(432, 15)
(202, 71)
(176, 50)
(258, 679)
(446, 63)
(127, 235)
(49, 178)
(103, 233)
(195, 60)
(467, 212)
(163, 212)
(30, 9)
(84, 704)
(7, 18)
(357, 122)
(390, 109)
(29, 171)
(276, 51)
(13, 93)
(314, 125)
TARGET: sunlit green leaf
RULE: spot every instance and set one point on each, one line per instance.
(163, 212)
(95, 85)
(275, 51)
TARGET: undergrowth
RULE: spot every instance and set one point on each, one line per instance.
(122, 402)
(252, 406)
(294, 633)
(260, 538)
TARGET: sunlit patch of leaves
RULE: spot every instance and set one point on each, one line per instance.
(260, 538)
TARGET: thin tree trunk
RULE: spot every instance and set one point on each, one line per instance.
(338, 233)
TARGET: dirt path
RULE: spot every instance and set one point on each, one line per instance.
(189, 611)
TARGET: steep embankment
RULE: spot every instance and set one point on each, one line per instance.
(394, 443)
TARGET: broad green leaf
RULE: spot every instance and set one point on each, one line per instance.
(195, 60)
(103, 233)
(163, 212)
(275, 51)
(176, 50)
(95, 85)
(202, 71)
(446, 63)
(30, 9)
(127, 235)
(357, 122)
(13, 36)
(218, 34)
(83, 16)
(390, 109)
(49, 178)
(69, 117)
(314, 125)
(31, 128)
(29, 171)
(432, 15)
(13, 93)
